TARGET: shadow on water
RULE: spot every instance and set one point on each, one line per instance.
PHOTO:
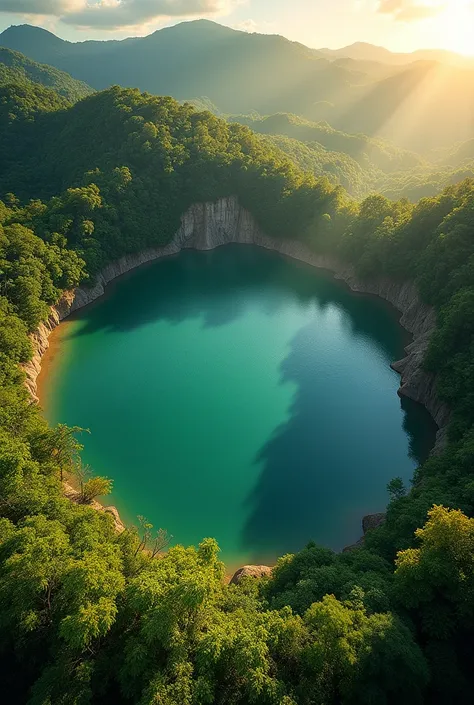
(329, 464)
(307, 478)
(416, 417)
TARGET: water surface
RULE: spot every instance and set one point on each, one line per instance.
(241, 395)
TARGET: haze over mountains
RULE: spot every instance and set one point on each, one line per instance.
(362, 51)
(419, 104)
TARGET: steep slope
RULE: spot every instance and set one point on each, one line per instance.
(421, 106)
(460, 153)
(24, 103)
(363, 149)
(361, 179)
(17, 68)
(237, 71)
(339, 168)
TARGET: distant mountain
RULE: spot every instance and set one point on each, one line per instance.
(236, 70)
(461, 153)
(421, 105)
(368, 70)
(362, 51)
(17, 68)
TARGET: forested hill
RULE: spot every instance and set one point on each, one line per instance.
(421, 106)
(87, 616)
(177, 155)
(17, 68)
(237, 71)
(361, 164)
(364, 150)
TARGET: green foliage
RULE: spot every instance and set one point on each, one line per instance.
(364, 150)
(17, 68)
(88, 615)
(22, 102)
(95, 487)
(34, 273)
(362, 165)
(440, 574)
(337, 167)
(417, 106)
(435, 582)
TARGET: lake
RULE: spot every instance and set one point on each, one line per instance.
(241, 395)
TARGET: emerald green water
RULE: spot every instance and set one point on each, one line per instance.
(240, 395)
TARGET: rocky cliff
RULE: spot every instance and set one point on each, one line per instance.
(210, 225)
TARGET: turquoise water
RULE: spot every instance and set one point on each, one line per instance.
(240, 395)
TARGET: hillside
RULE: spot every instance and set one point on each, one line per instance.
(362, 178)
(460, 153)
(90, 616)
(17, 68)
(23, 103)
(363, 149)
(337, 167)
(421, 106)
(237, 71)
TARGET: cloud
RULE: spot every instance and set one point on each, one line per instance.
(251, 27)
(113, 14)
(247, 26)
(39, 7)
(411, 10)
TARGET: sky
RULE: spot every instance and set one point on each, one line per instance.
(399, 25)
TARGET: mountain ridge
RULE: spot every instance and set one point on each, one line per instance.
(420, 106)
(365, 51)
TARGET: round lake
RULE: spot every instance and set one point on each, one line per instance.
(240, 395)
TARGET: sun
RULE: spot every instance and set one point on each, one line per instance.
(455, 26)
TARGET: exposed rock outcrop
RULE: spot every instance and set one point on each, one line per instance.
(206, 226)
(369, 522)
(373, 521)
(72, 494)
(250, 571)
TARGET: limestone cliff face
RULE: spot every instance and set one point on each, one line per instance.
(206, 226)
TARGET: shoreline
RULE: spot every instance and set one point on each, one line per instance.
(48, 359)
(211, 225)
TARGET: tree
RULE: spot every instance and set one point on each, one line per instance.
(438, 577)
(396, 489)
(95, 487)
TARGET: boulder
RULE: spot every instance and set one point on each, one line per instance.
(250, 571)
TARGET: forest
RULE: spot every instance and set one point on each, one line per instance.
(360, 163)
(88, 615)
(424, 104)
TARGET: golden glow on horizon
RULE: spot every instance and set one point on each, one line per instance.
(455, 26)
